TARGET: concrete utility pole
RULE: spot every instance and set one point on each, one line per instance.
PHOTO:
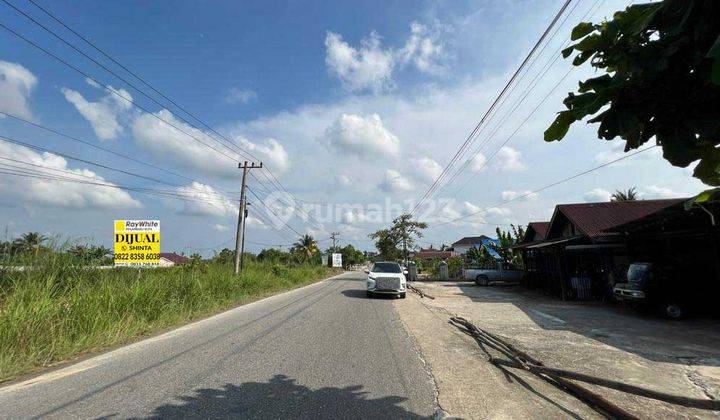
(334, 237)
(241, 213)
(242, 244)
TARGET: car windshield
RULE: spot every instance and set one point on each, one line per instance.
(386, 268)
(638, 273)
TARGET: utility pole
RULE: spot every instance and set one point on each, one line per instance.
(242, 244)
(241, 213)
(334, 237)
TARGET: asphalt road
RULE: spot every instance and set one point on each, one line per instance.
(323, 351)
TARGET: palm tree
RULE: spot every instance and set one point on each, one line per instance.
(629, 195)
(31, 241)
(307, 246)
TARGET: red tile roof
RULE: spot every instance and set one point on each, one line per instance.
(171, 256)
(540, 228)
(435, 253)
(593, 219)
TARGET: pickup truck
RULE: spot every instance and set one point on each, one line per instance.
(505, 272)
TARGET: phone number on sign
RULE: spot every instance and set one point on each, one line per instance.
(132, 256)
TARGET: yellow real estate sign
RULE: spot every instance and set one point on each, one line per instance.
(137, 242)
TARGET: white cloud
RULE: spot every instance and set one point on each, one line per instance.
(254, 222)
(597, 195)
(395, 182)
(367, 67)
(512, 195)
(60, 193)
(617, 151)
(221, 228)
(478, 162)
(508, 159)
(423, 49)
(240, 96)
(204, 200)
(102, 115)
(16, 83)
(654, 191)
(370, 67)
(426, 168)
(273, 154)
(362, 136)
(173, 145)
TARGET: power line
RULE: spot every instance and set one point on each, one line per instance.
(238, 150)
(492, 106)
(88, 143)
(547, 186)
(531, 85)
(110, 89)
(122, 79)
(130, 101)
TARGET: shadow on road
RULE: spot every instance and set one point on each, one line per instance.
(282, 397)
(362, 294)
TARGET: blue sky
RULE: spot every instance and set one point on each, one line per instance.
(350, 103)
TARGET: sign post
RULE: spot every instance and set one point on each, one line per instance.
(137, 243)
(337, 260)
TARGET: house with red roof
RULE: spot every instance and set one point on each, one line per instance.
(580, 253)
(169, 259)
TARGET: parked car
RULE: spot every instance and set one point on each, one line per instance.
(386, 278)
(505, 272)
(673, 288)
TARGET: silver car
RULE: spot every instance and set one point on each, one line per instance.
(386, 278)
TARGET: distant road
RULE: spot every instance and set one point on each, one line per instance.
(323, 351)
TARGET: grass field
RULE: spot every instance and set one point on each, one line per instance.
(57, 309)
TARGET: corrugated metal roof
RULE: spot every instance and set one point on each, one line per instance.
(593, 219)
(472, 240)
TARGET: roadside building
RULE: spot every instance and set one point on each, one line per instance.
(580, 255)
(169, 259)
(463, 245)
(434, 254)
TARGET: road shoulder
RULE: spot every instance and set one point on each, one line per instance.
(470, 387)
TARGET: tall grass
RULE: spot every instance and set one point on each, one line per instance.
(55, 309)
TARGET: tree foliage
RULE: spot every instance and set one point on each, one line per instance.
(479, 257)
(29, 242)
(305, 246)
(351, 256)
(629, 195)
(508, 239)
(88, 253)
(661, 65)
(404, 232)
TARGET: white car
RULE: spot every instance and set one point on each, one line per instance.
(386, 278)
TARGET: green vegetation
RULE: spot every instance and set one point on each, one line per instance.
(53, 308)
(507, 240)
(661, 65)
(629, 195)
(393, 243)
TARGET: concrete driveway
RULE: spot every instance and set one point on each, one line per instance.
(612, 342)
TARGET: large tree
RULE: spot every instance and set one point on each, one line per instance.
(393, 243)
(306, 246)
(661, 80)
(30, 242)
